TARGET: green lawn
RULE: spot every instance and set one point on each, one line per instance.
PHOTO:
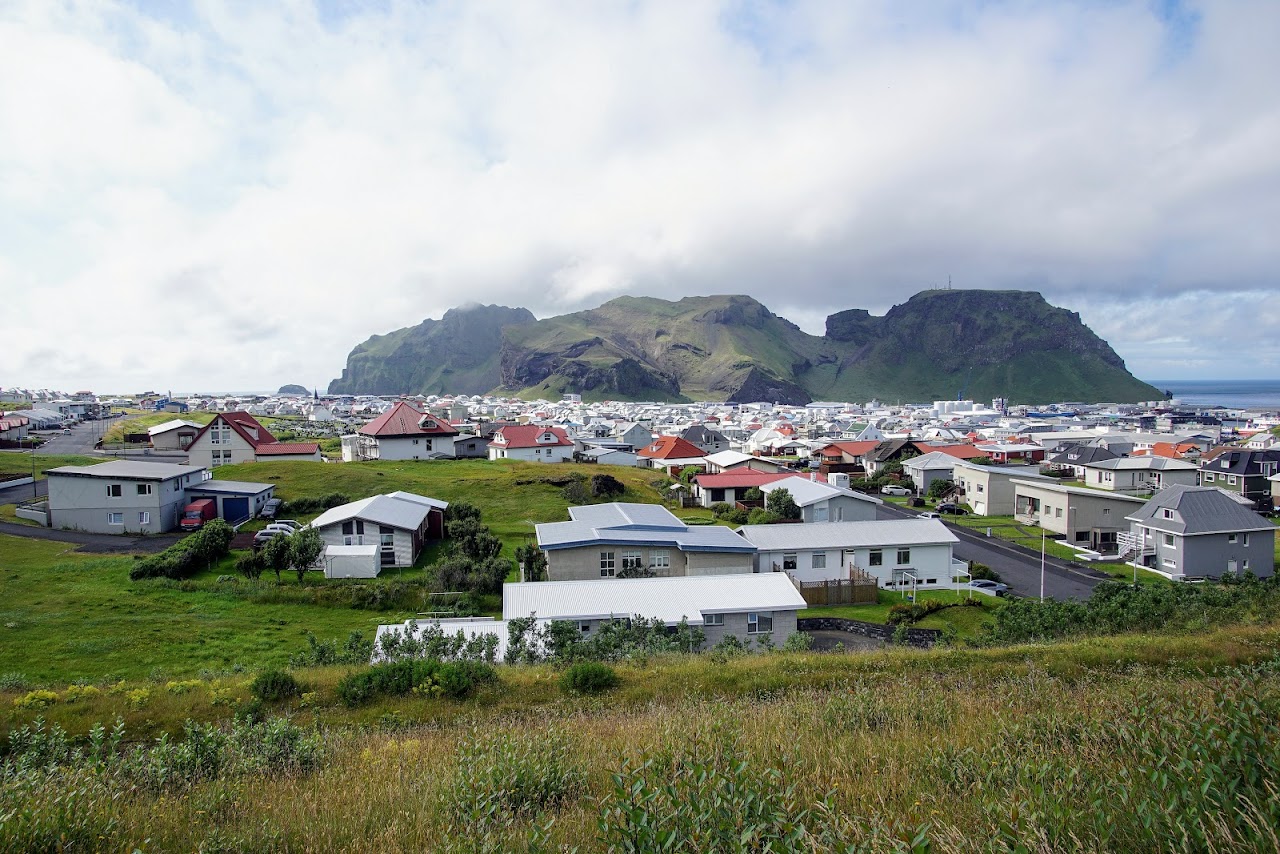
(12, 462)
(967, 621)
(140, 420)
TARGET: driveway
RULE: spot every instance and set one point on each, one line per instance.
(95, 543)
(1018, 566)
(14, 494)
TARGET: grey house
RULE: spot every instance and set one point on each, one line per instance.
(1187, 532)
(399, 523)
(120, 497)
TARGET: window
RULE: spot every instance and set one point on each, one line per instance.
(1057, 512)
(1231, 480)
(1106, 512)
(1231, 538)
(144, 518)
(1167, 513)
(1245, 538)
(1168, 541)
(348, 528)
(606, 565)
(1244, 565)
(660, 560)
(876, 558)
(760, 623)
(632, 560)
(1226, 464)
(1210, 477)
(115, 518)
(415, 441)
(789, 561)
(981, 488)
(713, 619)
(819, 560)
(144, 489)
(386, 536)
(904, 556)
(114, 490)
(1169, 564)
(584, 626)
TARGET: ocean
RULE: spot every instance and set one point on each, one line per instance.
(1232, 394)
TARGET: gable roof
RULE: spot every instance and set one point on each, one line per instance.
(670, 448)
(847, 535)
(806, 491)
(852, 449)
(526, 436)
(960, 452)
(242, 423)
(278, 449)
(636, 525)
(404, 419)
(391, 510)
(741, 479)
(1198, 510)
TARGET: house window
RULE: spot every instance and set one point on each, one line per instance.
(1244, 565)
(1231, 480)
(1106, 512)
(1057, 512)
(981, 488)
(584, 626)
(115, 518)
(1168, 541)
(386, 536)
(789, 561)
(904, 557)
(1245, 542)
(876, 558)
(632, 560)
(1167, 513)
(114, 490)
(1169, 564)
(144, 518)
(1210, 477)
(760, 623)
(1231, 538)
(415, 441)
(660, 560)
(606, 565)
(819, 560)
(348, 528)
(713, 619)
(144, 489)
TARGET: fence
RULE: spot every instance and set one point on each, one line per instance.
(858, 589)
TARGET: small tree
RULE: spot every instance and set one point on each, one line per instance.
(305, 548)
(275, 554)
(606, 486)
(688, 473)
(939, 488)
(249, 565)
(534, 561)
(782, 505)
(753, 494)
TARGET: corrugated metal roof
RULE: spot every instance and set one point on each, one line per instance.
(619, 514)
(1198, 510)
(129, 470)
(420, 499)
(848, 535)
(380, 509)
(1056, 487)
(669, 599)
(806, 491)
(286, 448)
(231, 487)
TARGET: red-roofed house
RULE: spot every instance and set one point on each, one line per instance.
(709, 489)
(403, 432)
(531, 443)
(848, 453)
(671, 453)
(237, 437)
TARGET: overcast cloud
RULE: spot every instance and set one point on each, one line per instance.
(231, 196)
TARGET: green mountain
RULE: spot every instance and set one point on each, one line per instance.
(457, 353)
(937, 345)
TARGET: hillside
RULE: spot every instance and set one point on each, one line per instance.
(937, 345)
(458, 353)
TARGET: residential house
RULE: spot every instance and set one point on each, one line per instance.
(1076, 457)
(175, 435)
(898, 553)
(989, 490)
(732, 486)
(531, 443)
(608, 540)
(708, 441)
(1242, 471)
(1012, 452)
(1084, 517)
(237, 437)
(403, 432)
(1141, 474)
(120, 497)
(823, 502)
(670, 453)
(608, 456)
(733, 461)
(1187, 532)
(634, 434)
(399, 523)
(927, 468)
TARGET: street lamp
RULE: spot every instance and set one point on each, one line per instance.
(35, 493)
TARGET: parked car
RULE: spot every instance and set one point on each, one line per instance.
(895, 490)
(953, 509)
(286, 528)
(271, 508)
(928, 514)
(260, 539)
(992, 588)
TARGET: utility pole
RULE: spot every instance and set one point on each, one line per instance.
(1042, 564)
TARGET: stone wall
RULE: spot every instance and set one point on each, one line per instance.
(915, 637)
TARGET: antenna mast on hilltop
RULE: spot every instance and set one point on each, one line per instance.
(948, 281)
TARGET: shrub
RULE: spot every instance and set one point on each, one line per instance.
(274, 685)
(981, 570)
(798, 642)
(720, 508)
(576, 493)
(521, 774)
(79, 692)
(455, 679)
(13, 682)
(189, 555)
(36, 699)
(250, 565)
(606, 486)
(588, 677)
(760, 516)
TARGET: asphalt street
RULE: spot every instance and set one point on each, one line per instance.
(1019, 567)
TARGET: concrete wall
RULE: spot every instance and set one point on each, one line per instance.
(1073, 515)
(414, 447)
(719, 563)
(172, 440)
(988, 493)
(82, 504)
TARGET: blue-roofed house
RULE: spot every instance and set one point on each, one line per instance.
(622, 540)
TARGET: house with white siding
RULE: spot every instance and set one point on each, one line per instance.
(403, 432)
(531, 443)
(238, 437)
(399, 523)
(823, 502)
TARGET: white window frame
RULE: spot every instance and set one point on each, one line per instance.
(115, 518)
(1245, 540)
(790, 560)
(755, 619)
(144, 489)
(1231, 480)
(1167, 513)
(115, 490)
(904, 556)
(660, 559)
(632, 560)
(818, 560)
(1170, 542)
(1232, 538)
(875, 557)
(144, 517)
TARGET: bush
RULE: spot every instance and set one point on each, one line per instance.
(273, 686)
(606, 486)
(720, 508)
(981, 570)
(760, 516)
(316, 504)
(455, 679)
(188, 556)
(575, 493)
(588, 677)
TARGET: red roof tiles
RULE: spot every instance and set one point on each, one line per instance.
(404, 419)
(526, 436)
(670, 448)
(284, 448)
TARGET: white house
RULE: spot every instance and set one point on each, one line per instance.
(531, 443)
(898, 553)
(403, 432)
(399, 523)
(237, 437)
(1140, 474)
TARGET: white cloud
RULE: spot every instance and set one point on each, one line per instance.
(236, 195)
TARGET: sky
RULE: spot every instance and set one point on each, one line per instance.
(230, 196)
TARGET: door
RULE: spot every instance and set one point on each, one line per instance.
(387, 545)
(235, 509)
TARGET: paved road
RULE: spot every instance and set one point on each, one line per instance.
(98, 543)
(14, 494)
(1019, 567)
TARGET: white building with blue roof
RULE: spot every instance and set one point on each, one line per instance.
(622, 540)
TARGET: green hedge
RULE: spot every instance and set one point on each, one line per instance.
(189, 555)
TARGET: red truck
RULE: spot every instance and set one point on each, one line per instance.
(195, 514)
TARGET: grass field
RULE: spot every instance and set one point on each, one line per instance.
(20, 463)
(964, 750)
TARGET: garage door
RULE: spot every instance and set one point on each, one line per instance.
(235, 509)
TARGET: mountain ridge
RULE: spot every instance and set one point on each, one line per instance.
(937, 345)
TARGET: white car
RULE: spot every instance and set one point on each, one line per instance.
(929, 514)
(895, 490)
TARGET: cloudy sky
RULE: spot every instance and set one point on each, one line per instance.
(213, 195)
